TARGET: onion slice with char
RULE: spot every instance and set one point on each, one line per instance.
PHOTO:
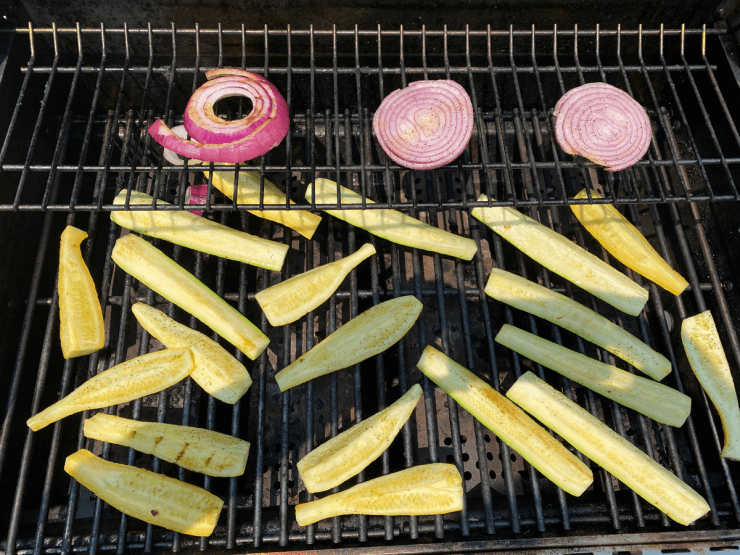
(221, 141)
(604, 124)
(426, 125)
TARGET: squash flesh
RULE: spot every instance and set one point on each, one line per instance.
(654, 400)
(216, 371)
(82, 328)
(248, 192)
(162, 274)
(507, 421)
(150, 497)
(198, 233)
(573, 316)
(347, 454)
(391, 225)
(366, 335)
(428, 489)
(130, 380)
(293, 298)
(708, 361)
(625, 243)
(195, 449)
(556, 253)
(651, 481)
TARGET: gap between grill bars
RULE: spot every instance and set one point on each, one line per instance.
(513, 156)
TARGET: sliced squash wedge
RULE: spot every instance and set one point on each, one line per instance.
(248, 192)
(392, 225)
(81, 327)
(150, 497)
(140, 376)
(429, 489)
(654, 400)
(198, 233)
(709, 362)
(506, 420)
(625, 243)
(287, 301)
(216, 371)
(162, 274)
(344, 456)
(651, 481)
(573, 316)
(196, 449)
(366, 335)
(565, 258)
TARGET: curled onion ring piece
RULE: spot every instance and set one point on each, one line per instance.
(426, 125)
(174, 158)
(604, 124)
(218, 140)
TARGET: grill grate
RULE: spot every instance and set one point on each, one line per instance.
(89, 141)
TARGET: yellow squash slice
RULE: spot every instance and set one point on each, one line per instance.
(150, 497)
(344, 456)
(625, 243)
(162, 274)
(655, 400)
(199, 450)
(366, 335)
(573, 316)
(195, 232)
(654, 483)
(708, 361)
(391, 224)
(124, 382)
(556, 253)
(248, 192)
(295, 297)
(429, 489)
(506, 420)
(216, 371)
(82, 328)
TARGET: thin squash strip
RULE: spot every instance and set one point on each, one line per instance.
(507, 421)
(565, 258)
(625, 243)
(198, 233)
(651, 481)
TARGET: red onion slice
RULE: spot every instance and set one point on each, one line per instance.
(196, 194)
(426, 125)
(604, 124)
(218, 140)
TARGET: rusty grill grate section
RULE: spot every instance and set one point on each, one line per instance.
(91, 94)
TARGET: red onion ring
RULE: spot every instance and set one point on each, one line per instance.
(604, 124)
(426, 125)
(218, 140)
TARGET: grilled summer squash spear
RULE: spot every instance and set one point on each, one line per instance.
(651, 481)
(82, 328)
(295, 297)
(430, 489)
(709, 362)
(195, 449)
(391, 224)
(130, 380)
(248, 192)
(625, 243)
(560, 310)
(653, 399)
(508, 421)
(556, 253)
(366, 335)
(150, 497)
(195, 232)
(347, 454)
(216, 371)
(162, 274)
